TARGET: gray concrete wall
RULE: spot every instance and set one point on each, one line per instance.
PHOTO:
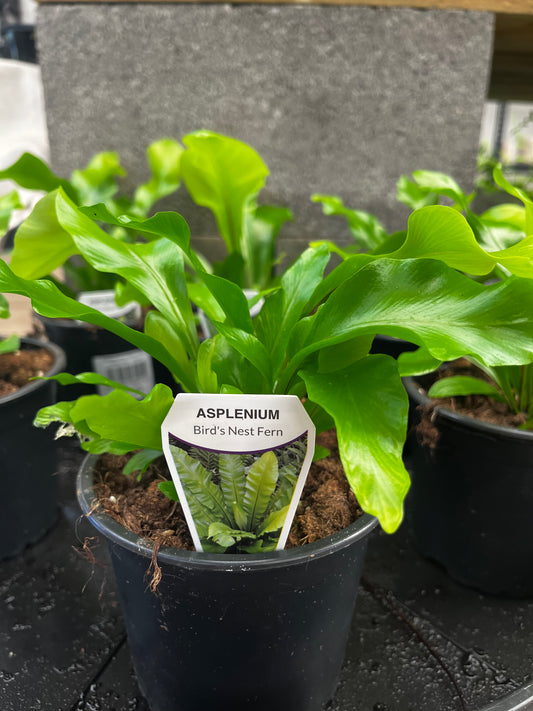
(336, 99)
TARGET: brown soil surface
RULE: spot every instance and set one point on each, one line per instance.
(327, 505)
(16, 369)
(479, 407)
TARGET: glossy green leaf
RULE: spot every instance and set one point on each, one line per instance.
(221, 173)
(9, 344)
(91, 379)
(233, 370)
(413, 195)
(365, 228)
(461, 385)
(260, 485)
(48, 300)
(281, 312)
(32, 173)
(8, 203)
(342, 272)
(248, 346)
(418, 362)
(141, 461)
(320, 453)
(439, 232)
(157, 327)
(169, 490)
(96, 182)
(156, 268)
(428, 304)
(4, 307)
(172, 226)
(164, 160)
(502, 181)
(262, 224)
(41, 243)
(119, 416)
(508, 213)
(344, 354)
(441, 184)
(207, 378)
(371, 424)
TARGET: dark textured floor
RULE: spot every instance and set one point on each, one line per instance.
(419, 642)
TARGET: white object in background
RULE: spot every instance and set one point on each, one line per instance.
(22, 123)
(28, 11)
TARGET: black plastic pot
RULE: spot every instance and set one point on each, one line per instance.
(471, 501)
(388, 345)
(230, 632)
(82, 342)
(27, 461)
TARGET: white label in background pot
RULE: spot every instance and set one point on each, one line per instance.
(104, 301)
(239, 464)
(132, 368)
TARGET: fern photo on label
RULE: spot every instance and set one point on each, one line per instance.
(238, 501)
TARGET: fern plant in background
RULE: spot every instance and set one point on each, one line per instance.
(221, 174)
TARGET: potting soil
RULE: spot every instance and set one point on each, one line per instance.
(16, 369)
(327, 504)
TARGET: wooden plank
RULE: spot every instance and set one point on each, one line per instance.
(500, 6)
(512, 63)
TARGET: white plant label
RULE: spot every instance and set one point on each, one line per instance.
(132, 368)
(104, 301)
(239, 465)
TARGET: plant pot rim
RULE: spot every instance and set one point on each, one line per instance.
(117, 533)
(464, 420)
(58, 365)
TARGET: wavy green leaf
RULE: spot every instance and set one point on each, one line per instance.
(163, 157)
(141, 461)
(439, 232)
(250, 348)
(365, 228)
(9, 344)
(91, 379)
(462, 385)
(429, 304)
(48, 300)
(120, 417)
(282, 311)
(96, 182)
(4, 307)
(221, 173)
(41, 243)
(502, 181)
(262, 224)
(371, 426)
(32, 173)
(8, 203)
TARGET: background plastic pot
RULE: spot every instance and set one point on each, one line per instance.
(28, 461)
(391, 346)
(228, 632)
(83, 343)
(471, 501)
